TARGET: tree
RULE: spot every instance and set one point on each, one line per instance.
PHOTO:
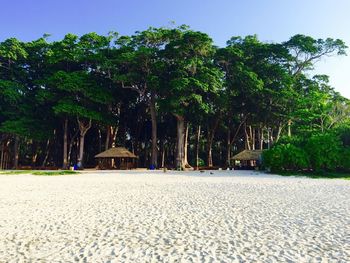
(189, 78)
(305, 51)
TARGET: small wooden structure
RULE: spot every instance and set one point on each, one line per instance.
(247, 159)
(116, 158)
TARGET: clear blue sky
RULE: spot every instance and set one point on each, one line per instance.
(271, 20)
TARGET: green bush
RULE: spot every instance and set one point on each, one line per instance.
(201, 162)
(324, 151)
(285, 157)
(346, 158)
(343, 132)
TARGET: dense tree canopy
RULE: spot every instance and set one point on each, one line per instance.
(173, 98)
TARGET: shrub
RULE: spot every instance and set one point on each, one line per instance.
(324, 151)
(285, 157)
(346, 158)
(343, 132)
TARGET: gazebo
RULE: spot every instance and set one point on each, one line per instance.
(248, 158)
(116, 158)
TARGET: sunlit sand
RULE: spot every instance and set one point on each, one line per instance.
(143, 216)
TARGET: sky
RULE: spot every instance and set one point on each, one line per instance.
(271, 20)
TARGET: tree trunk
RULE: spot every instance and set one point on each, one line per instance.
(154, 150)
(34, 153)
(16, 152)
(99, 141)
(247, 139)
(2, 155)
(47, 153)
(65, 144)
(289, 128)
(209, 155)
(228, 148)
(114, 132)
(253, 138)
(269, 131)
(71, 143)
(180, 142)
(108, 136)
(163, 155)
(261, 144)
(211, 134)
(81, 149)
(197, 145)
(83, 130)
(279, 132)
(187, 165)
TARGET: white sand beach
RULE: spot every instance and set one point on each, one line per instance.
(135, 216)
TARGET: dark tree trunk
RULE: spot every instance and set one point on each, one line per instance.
(209, 154)
(34, 153)
(47, 151)
(211, 134)
(163, 155)
(83, 130)
(154, 150)
(228, 148)
(108, 136)
(2, 155)
(198, 135)
(16, 152)
(65, 144)
(71, 143)
(180, 139)
(99, 141)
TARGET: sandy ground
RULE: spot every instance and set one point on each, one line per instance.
(230, 216)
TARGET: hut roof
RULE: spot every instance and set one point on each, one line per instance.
(248, 155)
(116, 152)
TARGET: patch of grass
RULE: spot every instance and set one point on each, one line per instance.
(41, 173)
(53, 173)
(318, 175)
(15, 172)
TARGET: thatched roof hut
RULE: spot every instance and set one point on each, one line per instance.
(247, 159)
(116, 152)
(116, 157)
(248, 155)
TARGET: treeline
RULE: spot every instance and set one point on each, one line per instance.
(167, 94)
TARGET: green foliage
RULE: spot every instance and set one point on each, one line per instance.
(319, 152)
(246, 87)
(343, 131)
(11, 50)
(26, 127)
(201, 162)
(70, 108)
(285, 157)
(324, 151)
(305, 50)
(345, 160)
(191, 79)
(10, 91)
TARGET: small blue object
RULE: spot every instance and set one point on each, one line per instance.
(152, 167)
